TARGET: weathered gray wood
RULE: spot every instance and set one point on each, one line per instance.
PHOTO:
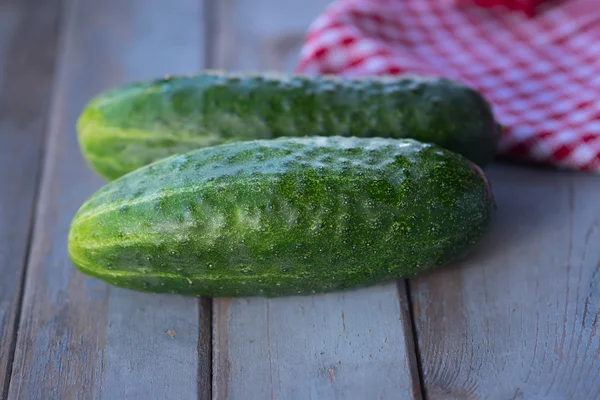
(79, 338)
(341, 345)
(335, 346)
(261, 34)
(28, 36)
(519, 318)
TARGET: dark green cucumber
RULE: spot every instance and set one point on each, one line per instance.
(283, 216)
(132, 125)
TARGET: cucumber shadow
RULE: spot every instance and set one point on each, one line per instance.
(534, 207)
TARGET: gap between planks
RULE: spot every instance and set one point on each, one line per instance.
(411, 339)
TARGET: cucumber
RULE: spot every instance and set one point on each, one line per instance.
(282, 217)
(135, 124)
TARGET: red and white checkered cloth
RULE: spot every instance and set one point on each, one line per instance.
(541, 72)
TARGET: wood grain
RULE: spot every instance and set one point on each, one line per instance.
(79, 338)
(519, 318)
(346, 346)
(28, 37)
(341, 345)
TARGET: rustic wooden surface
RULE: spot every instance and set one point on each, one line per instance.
(28, 37)
(342, 346)
(517, 319)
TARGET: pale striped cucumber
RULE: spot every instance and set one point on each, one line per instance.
(135, 124)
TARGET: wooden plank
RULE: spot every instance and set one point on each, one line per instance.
(340, 345)
(519, 318)
(348, 346)
(28, 36)
(79, 338)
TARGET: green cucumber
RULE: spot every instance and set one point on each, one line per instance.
(283, 217)
(135, 124)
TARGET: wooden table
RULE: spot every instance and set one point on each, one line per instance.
(518, 319)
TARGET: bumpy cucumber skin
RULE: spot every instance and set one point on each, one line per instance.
(133, 125)
(283, 217)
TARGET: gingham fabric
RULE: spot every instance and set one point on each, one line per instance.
(528, 7)
(541, 72)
